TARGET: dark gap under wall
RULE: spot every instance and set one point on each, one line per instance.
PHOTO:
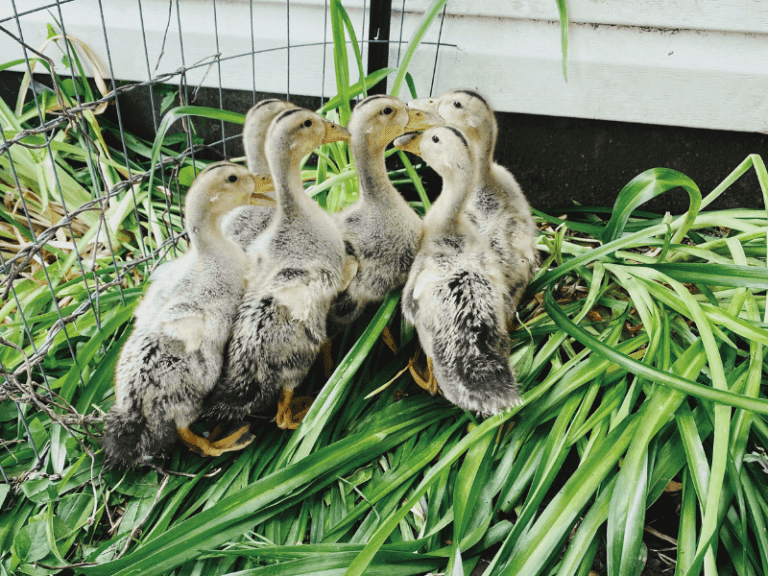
(557, 161)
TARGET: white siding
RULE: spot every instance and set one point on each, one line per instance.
(699, 63)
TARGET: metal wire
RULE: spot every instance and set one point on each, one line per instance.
(437, 51)
(102, 278)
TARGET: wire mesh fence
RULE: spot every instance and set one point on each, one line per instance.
(81, 228)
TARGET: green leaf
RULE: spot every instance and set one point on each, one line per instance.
(304, 439)
(181, 112)
(715, 274)
(358, 88)
(643, 188)
(168, 101)
(362, 561)
(135, 482)
(31, 543)
(681, 384)
(37, 490)
(562, 9)
(85, 354)
(340, 61)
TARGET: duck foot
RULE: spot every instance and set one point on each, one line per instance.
(389, 340)
(325, 348)
(427, 379)
(235, 441)
(290, 410)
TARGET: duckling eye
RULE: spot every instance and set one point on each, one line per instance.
(388, 110)
(435, 139)
(232, 178)
(456, 104)
(307, 123)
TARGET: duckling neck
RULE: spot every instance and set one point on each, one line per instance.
(484, 144)
(254, 154)
(372, 170)
(291, 198)
(205, 233)
(444, 217)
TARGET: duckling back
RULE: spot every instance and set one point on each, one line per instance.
(463, 331)
(499, 211)
(455, 294)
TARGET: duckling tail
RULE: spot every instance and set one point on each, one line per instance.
(128, 437)
(487, 387)
(471, 361)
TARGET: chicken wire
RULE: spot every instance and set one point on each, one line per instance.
(97, 268)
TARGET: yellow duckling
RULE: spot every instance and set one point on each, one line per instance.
(455, 290)
(497, 205)
(282, 320)
(175, 354)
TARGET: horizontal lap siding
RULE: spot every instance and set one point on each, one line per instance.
(697, 63)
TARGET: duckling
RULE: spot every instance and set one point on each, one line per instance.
(455, 291)
(281, 323)
(381, 232)
(175, 353)
(246, 223)
(497, 206)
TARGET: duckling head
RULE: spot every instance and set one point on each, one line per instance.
(469, 111)
(445, 148)
(298, 132)
(221, 187)
(380, 119)
(257, 122)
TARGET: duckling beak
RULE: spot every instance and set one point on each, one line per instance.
(425, 104)
(258, 199)
(335, 133)
(262, 185)
(410, 143)
(421, 120)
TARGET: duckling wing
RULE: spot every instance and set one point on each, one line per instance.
(351, 267)
(161, 288)
(305, 292)
(188, 330)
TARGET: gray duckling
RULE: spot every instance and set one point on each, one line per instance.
(497, 206)
(246, 223)
(381, 232)
(282, 321)
(175, 354)
(455, 290)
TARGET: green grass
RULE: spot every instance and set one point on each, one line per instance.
(640, 354)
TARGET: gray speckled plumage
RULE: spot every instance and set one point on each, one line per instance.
(281, 323)
(455, 291)
(497, 206)
(246, 223)
(174, 356)
(381, 232)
